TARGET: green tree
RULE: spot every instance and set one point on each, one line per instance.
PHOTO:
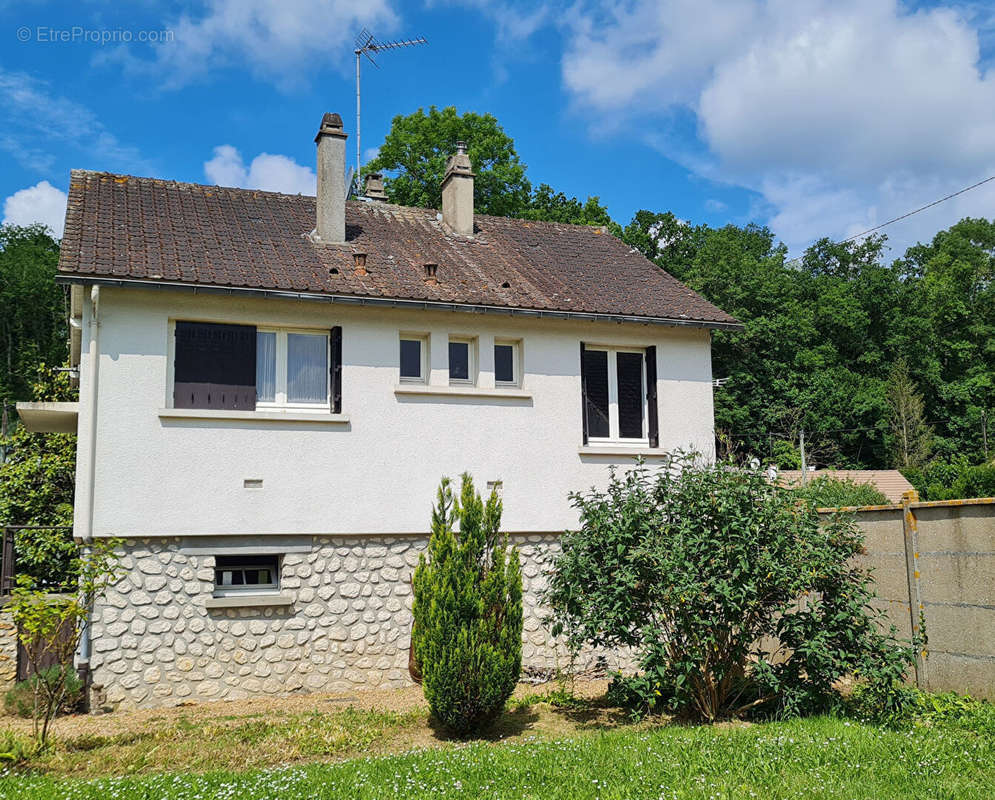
(699, 569)
(37, 485)
(49, 626)
(550, 206)
(32, 308)
(911, 437)
(415, 151)
(467, 632)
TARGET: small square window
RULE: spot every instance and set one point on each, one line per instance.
(506, 363)
(233, 574)
(461, 366)
(412, 358)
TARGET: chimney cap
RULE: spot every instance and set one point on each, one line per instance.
(331, 125)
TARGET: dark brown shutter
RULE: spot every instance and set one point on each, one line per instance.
(214, 366)
(335, 368)
(583, 392)
(652, 422)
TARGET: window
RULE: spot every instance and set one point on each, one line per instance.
(291, 369)
(242, 367)
(235, 574)
(506, 363)
(413, 358)
(615, 394)
(461, 361)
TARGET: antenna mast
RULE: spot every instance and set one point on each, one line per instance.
(367, 43)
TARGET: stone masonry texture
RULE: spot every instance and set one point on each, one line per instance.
(155, 643)
(8, 651)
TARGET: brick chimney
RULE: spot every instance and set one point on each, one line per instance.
(374, 187)
(457, 192)
(331, 180)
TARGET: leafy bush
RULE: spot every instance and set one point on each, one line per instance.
(21, 697)
(467, 633)
(956, 479)
(913, 706)
(732, 594)
(826, 492)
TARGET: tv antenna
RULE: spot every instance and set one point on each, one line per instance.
(366, 45)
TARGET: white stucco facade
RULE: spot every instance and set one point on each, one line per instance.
(376, 473)
(351, 489)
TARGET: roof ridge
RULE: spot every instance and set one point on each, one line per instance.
(378, 203)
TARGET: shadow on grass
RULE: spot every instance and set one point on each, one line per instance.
(511, 723)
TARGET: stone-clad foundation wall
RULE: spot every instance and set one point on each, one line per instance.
(8, 650)
(156, 643)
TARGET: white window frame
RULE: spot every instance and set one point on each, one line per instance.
(423, 365)
(516, 362)
(281, 403)
(471, 361)
(613, 421)
(220, 590)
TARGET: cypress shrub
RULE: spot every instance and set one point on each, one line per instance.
(467, 633)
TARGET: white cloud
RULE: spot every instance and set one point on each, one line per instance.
(286, 42)
(39, 203)
(36, 117)
(272, 173)
(839, 114)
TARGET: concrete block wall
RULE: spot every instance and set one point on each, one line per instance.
(156, 643)
(938, 558)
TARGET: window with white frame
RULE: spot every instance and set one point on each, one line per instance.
(507, 361)
(615, 397)
(413, 358)
(292, 369)
(462, 360)
(245, 574)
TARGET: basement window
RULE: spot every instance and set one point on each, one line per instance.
(242, 574)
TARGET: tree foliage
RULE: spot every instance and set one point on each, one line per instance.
(911, 437)
(467, 633)
(414, 155)
(49, 626)
(826, 492)
(32, 308)
(729, 590)
(37, 485)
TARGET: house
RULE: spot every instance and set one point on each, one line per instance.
(272, 386)
(890, 482)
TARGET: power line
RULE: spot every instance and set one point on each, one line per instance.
(906, 215)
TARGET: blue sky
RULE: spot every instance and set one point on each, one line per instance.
(814, 117)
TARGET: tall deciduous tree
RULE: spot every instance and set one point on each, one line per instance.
(32, 308)
(912, 438)
(415, 151)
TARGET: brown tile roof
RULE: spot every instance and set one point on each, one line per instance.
(890, 482)
(119, 226)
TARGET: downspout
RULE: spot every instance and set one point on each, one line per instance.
(84, 520)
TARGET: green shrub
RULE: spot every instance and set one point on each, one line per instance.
(734, 597)
(956, 479)
(913, 706)
(826, 492)
(467, 633)
(21, 697)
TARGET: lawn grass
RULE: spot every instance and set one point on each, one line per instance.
(817, 758)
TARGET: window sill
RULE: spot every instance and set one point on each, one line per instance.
(318, 417)
(461, 391)
(249, 600)
(623, 450)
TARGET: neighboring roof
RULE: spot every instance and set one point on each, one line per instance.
(890, 482)
(123, 227)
